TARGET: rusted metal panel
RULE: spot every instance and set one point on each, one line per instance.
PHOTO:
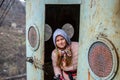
(99, 19)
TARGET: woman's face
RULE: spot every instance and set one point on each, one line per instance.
(60, 42)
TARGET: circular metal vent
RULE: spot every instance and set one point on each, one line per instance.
(102, 60)
(33, 37)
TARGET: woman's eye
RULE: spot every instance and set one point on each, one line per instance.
(57, 41)
(62, 39)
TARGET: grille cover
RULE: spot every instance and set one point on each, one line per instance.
(32, 36)
(100, 59)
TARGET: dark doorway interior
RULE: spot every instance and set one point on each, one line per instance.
(56, 16)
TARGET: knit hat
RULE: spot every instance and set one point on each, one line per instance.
(63, 34)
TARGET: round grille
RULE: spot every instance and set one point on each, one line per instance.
(100, 59)
(33, 36)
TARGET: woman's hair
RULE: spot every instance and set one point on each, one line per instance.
(60, 58)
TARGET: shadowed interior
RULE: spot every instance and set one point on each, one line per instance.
(56, 16)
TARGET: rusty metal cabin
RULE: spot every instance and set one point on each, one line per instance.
(95, 24)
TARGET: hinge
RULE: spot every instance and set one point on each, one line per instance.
(35, 62)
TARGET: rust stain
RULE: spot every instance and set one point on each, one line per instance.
(118, 8)
(116, 14)
(88, 75)
(105, 29)
(118, 11)
(117, 49)
(91, 3)
(102, 35)
(114, 21)
(42, 58)
(116, 32)
(96, 15)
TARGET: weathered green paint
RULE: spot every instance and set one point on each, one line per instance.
(35, 16)
(62, 1)
(98, 17)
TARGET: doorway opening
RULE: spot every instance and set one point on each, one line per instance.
(64, 16)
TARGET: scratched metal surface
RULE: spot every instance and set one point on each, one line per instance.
(35, 17)
(98, 18)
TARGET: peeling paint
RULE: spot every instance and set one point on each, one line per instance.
(118, 11)
(92, 3)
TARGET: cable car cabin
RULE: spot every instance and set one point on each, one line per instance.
(94, 24)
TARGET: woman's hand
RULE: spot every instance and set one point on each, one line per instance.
(63, 68)
(67, 68)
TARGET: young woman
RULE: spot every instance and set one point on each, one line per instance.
(64, 56)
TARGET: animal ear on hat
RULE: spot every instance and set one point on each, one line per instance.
(48, 32)
(68, 28)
